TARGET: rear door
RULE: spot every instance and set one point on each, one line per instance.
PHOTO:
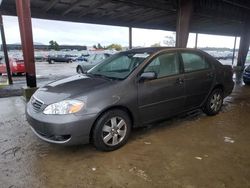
(163, 96)
(199, 76)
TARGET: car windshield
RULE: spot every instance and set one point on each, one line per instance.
(119, 66)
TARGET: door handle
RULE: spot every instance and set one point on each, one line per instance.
(210, 75)
(179, 81)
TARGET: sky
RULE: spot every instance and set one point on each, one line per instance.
(90, 34)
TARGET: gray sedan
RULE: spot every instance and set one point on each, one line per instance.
(90, 62)
(129, 89)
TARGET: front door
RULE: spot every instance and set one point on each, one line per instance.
(161, 97)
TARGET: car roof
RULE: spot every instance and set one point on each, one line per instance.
(156, 49)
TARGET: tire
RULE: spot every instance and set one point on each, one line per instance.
(51, 61)
(246, 82)
(214, 102)
(79, 70)
(107, 135)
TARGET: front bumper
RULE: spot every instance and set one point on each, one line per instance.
(67, 129)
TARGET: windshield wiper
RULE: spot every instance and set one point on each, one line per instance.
(102, 76)
(98, 75)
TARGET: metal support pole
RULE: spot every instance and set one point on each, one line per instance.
(130, 38)
(244, 44)
(196, 40)
(5, 51)
(185, 10)
(235, 39)
(24, 19)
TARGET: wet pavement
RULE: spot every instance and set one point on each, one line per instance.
(45, 73)
(190, 151)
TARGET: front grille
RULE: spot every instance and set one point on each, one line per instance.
(36, 104)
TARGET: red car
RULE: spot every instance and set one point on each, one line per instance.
(16, 66)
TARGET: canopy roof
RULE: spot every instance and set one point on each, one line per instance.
(224, 17)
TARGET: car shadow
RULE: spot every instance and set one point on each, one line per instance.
(141, 132)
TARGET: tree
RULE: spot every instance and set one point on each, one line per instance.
(99, 46)
(53, 45)
(169, 41)
(56, 46)
(156, 45)
(117, 47)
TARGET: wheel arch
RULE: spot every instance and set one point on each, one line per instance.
(216, 86)
(119, 107)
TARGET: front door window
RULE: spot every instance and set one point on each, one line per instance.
(164, 65)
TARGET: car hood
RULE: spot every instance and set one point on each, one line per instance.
(71, 87)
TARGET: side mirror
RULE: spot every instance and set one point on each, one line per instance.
(148, 76)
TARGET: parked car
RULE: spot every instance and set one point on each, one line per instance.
(91, 61)
(129, 89)
(246, 75)
(16, 66)
(61, 58)
(41, 57)
(83, 57)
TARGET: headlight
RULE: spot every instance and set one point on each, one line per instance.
(64, 107)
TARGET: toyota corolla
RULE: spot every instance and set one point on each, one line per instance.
(127, 90)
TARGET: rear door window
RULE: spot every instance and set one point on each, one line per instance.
(193, 62)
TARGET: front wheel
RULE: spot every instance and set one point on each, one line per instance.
(79, 70)
(214, 102)
(51, 61)
(111, 130)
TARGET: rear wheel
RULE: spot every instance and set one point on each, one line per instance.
(111, 130)
(214, 102)
(79, 70)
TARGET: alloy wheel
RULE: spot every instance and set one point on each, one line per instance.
(216, 102)
(114, 131)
